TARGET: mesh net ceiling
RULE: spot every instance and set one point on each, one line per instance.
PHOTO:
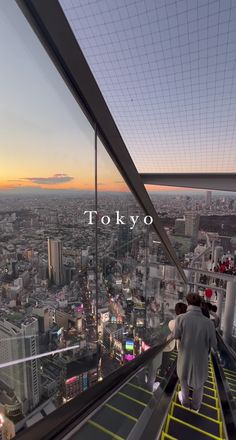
(167, 72)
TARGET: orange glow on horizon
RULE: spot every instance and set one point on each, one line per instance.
(75, 185)
(8, 185)
(160, 188)
(109, 179)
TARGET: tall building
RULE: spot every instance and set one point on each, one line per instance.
(19, 340)
(208, 198)
(55, 266)
(43, 317)
(124, 242)
(180, 226)
(192, 225)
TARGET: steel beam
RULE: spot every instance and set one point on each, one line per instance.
(230, 300)
(215, 275)
(211, 181)
(49, 23)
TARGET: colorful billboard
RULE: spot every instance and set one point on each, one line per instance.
(129, 345)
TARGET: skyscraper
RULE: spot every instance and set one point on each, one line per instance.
(19, 340)
(179, 226)
(124, 242)
(192, 225)
(55, 266)
(208, 198)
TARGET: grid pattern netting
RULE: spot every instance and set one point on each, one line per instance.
(167, 72)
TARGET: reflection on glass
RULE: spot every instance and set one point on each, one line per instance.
(121, 267)
(134, 276)
(135, 397)
(201, 227)
(47, 250)
(227, 364)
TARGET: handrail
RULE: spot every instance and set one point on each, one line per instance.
(228, 348)
(227, 402)
(200, 255)
(76, 410)
(218, 275)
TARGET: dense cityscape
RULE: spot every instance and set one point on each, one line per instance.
(94, 295)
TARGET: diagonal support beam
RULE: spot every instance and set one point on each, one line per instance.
(49, 23)
(211, 181)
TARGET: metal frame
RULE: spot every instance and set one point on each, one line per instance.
(211, 181)
(215, 275)
(65, 418)
(229, 411)
(48, 21)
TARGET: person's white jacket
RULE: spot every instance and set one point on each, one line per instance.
(171, 326)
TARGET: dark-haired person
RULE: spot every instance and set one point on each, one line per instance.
(197, 336)
(205, 307)
(180, 308)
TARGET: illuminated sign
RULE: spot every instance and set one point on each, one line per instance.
(79, 324)
(129, 345)
(117, 345)
(59, 332)
(71, 380)
(139, 306)
(79, 309)
(118, 282)
(119, 319)
(145, 347)
(105, 317)
(139, 322)
(1, 420)
(129, 357)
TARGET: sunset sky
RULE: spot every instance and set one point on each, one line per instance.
(46, 141)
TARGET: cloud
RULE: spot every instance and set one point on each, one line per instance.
(55, 179)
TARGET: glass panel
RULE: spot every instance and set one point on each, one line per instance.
(201, 227)
(164, 289)
(50, 377)
(134, 276)
(118, 416)
(47, 249)
(227, 361)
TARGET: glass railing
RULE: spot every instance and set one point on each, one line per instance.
(130, 393)
(227, 364)
(200, 227)
(132, 272)
(85, 284)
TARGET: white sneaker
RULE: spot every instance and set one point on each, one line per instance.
(195, 410)
(155, 386)
(180, 397)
